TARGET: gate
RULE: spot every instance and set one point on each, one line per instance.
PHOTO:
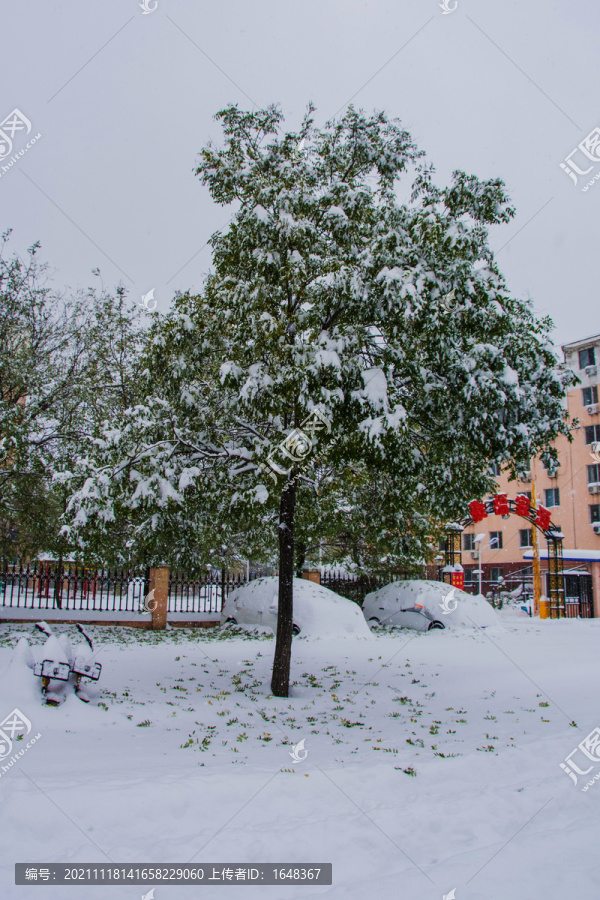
(579, 597)
(538, 516)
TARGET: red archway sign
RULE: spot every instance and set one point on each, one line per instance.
(539, 516)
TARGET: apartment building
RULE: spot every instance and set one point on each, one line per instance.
(571, 492)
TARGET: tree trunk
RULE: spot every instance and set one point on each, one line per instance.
(283, 643)
(58, 583)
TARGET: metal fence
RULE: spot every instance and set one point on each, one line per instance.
(45, 586)
(355, 587)
(48, 586)
(203, 594)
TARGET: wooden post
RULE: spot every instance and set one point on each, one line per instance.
(159, 583)
(312, 575)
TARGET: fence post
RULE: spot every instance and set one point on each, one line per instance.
(159, 582)
(312, 575)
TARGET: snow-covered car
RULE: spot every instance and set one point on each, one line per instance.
(425, 605)
(318, 612)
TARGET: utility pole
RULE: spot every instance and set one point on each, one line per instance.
(537, 588)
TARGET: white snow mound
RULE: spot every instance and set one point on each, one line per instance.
(318, 612)
(460, 610)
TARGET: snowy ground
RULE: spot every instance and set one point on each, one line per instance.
(433, 763)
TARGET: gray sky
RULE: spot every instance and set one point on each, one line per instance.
(124, 101)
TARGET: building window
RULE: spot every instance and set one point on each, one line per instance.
(526, 537)
(592, 433)
(595, 512)
(468, 541)
(593, 474)
(587, 357)
(495, 469)
(495, 573)
(590, 395)
(469, 576)
(553, 496)
(495, 540)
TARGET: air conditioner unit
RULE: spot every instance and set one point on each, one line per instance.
(596, 527)
(525, 477)
(590, 370)
(552, 473)
(474, 554)
(594, 488)
(592, 410)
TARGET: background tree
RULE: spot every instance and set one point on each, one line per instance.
(66, 364)
(41, 366)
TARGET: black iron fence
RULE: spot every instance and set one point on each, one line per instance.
(356, 587)
(69, 587)
(44, 586)
(203, 594)
(50, 586)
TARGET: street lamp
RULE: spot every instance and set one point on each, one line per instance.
(478, 540)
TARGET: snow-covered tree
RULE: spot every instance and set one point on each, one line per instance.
(65, 363)
(331, 295)
(41, 363)
(354, 335)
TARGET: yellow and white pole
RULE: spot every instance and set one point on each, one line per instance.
(538, 607)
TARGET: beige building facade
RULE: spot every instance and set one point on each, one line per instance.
(571, 493)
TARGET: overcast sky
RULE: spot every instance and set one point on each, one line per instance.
(125, 100)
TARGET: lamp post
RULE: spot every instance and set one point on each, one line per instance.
(478, 540)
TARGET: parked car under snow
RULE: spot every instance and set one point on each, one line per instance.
(318, 612)
(425, 605)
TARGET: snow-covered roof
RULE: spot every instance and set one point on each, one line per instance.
(571, 555)
(574, 344)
